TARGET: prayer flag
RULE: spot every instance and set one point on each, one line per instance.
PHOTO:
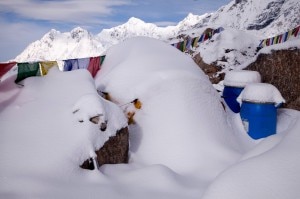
(201, 39)
(205, 37)
(27, 70)
(195, 41)
(189, 43)
(272, 41)
(5, 67)
(285, 37)
(276, 39)
(95, 64)
(45, 66)
(280, 38)
(261, 43)
(178, 45)
(71, 64)
(268, 42)
(184, 45)
(296, 31)
(290, 34)
(83, 63)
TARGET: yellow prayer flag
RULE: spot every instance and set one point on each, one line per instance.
(290, 34)
(45, 66)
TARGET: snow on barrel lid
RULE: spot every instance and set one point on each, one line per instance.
(240, 78)
(262, 93)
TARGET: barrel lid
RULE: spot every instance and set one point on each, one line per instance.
(240, 78)
(261, 93)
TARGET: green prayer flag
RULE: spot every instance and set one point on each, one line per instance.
(27, 70)
(102, 59)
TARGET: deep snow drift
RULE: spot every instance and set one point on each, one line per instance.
(183, 143)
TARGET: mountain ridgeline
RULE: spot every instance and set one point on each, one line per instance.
(265, 18)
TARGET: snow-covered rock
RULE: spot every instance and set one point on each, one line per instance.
(170, 91)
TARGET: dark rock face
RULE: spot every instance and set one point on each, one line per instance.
(114, 151)
(269, 14)
(211, 70)
(282, 69)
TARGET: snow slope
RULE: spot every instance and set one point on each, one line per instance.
(183, 144)
(263, 17)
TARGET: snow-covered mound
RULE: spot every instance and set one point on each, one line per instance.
(171, 88)
(270, 170)
(40, 131)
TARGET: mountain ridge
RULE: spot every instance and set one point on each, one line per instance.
(264, 18)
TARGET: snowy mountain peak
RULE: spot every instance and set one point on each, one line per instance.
(192, 20)
(265, 17)
(134, 21)
(51, 35)
(78, 33)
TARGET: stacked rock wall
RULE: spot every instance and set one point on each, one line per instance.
(281, 68)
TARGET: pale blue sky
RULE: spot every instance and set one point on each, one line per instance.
(24, 21)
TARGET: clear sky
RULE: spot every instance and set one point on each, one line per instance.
(25, 21)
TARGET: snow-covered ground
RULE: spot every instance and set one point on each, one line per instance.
(183, 143)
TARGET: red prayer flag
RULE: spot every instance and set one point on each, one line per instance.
(296, 31)
(94, 65)
(5, 67)
(268, 42)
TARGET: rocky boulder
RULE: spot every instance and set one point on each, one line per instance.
(114, 151)
(281, 68)
(211, 70)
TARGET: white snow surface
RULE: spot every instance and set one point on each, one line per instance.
(229, 48)
(240, 78)
(261, 92)
(182, 145)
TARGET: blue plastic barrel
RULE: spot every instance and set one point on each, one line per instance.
(230, 95)
(259, 119)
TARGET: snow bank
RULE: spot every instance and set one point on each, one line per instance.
(240, 78)
(293, 43)
(262, 93)
(290, 44)
(40, 134)
(270, 170)
(176, 125)
(229, 49)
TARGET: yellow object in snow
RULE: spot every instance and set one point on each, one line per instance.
(137, 104)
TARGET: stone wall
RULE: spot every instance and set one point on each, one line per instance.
(114, 151)
(211, 70)
(281, 68)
